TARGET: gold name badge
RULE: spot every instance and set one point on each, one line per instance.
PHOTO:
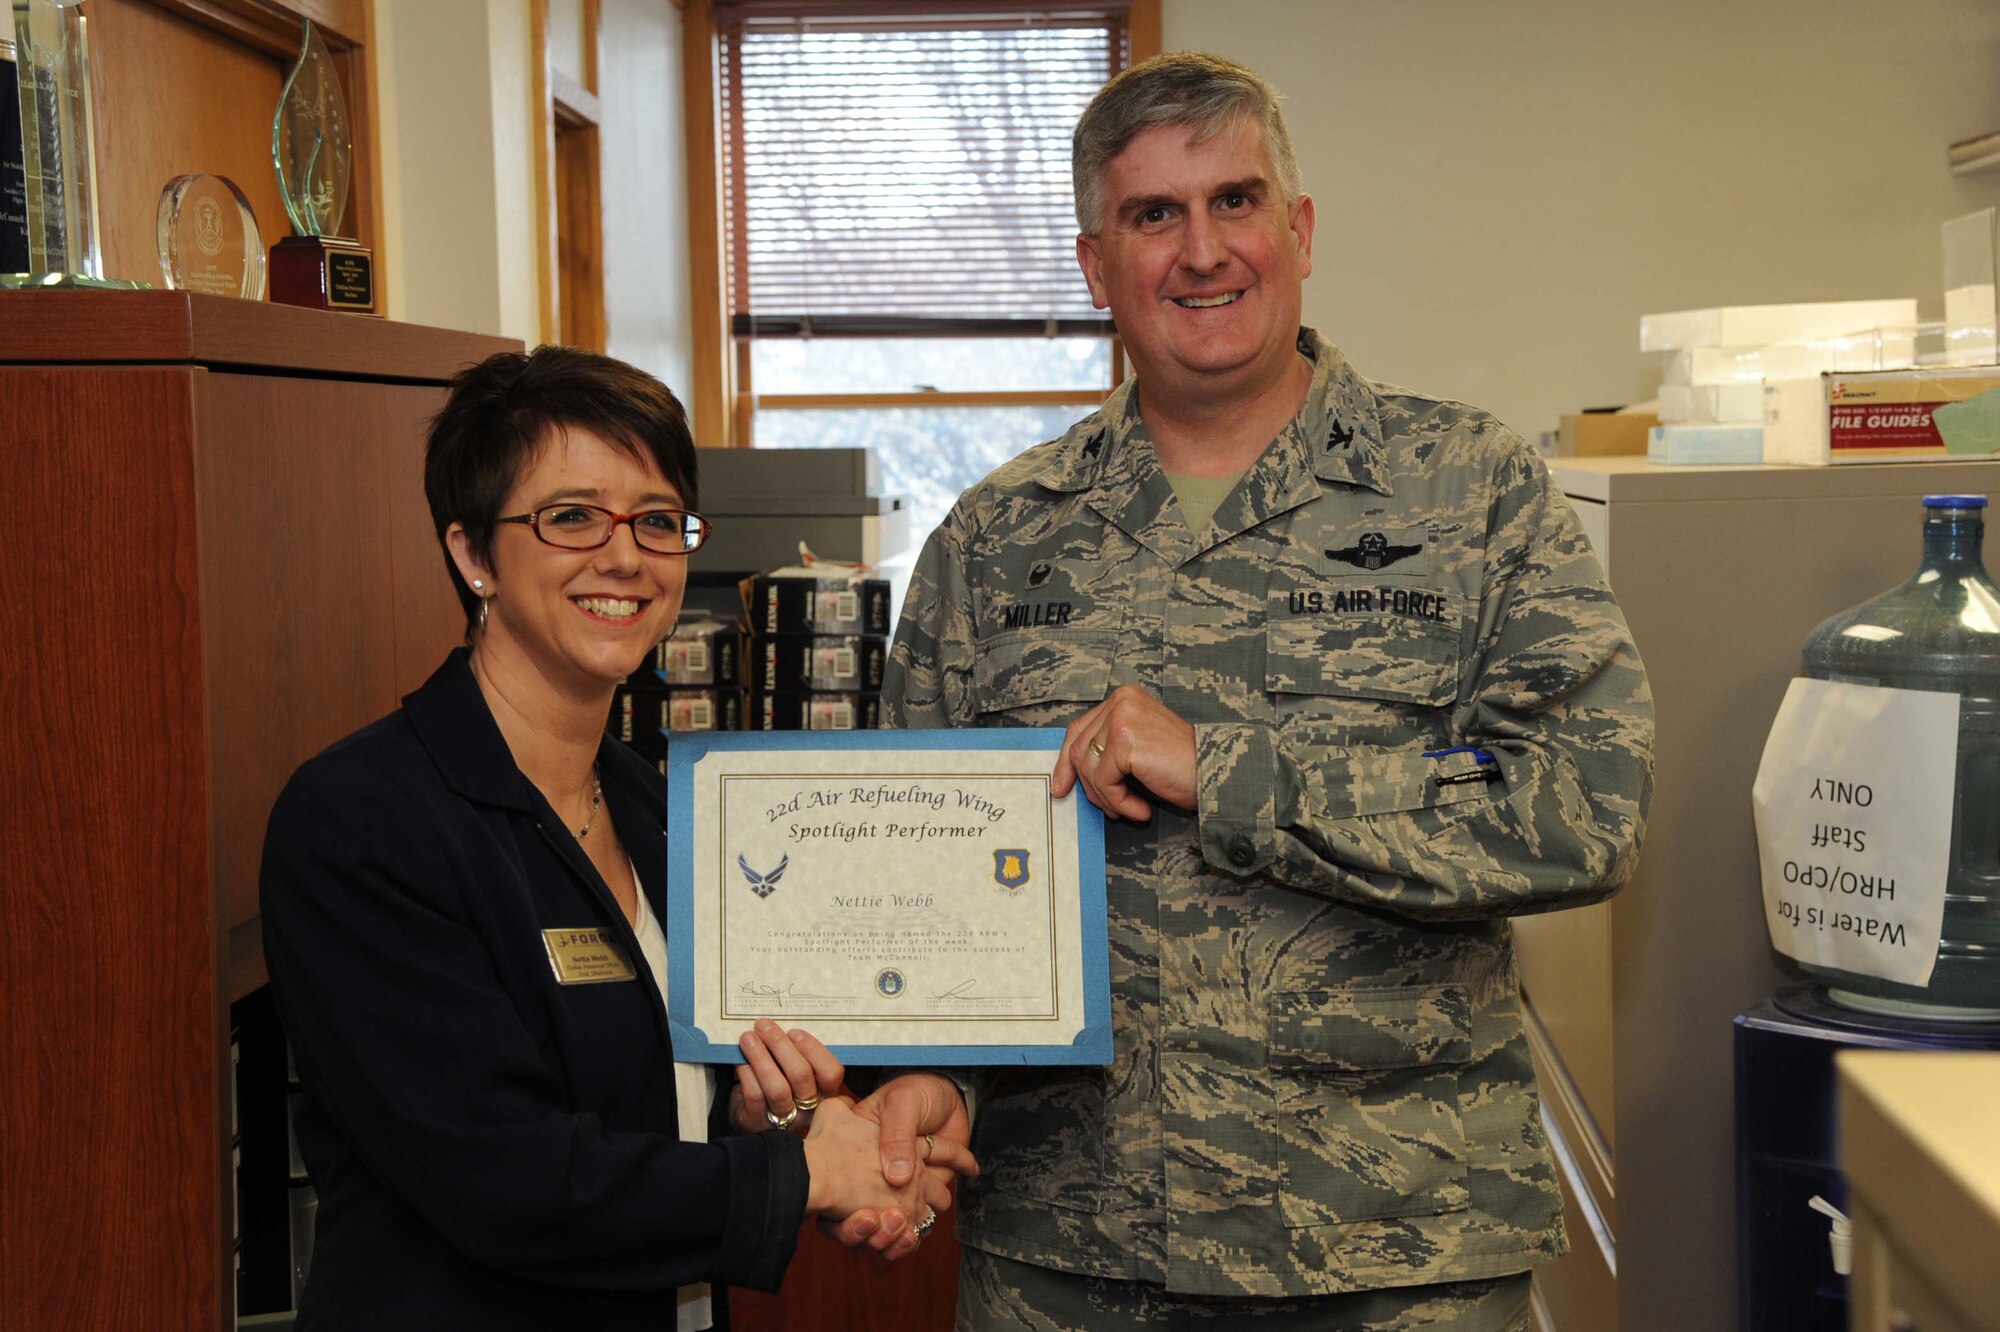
(585, 957)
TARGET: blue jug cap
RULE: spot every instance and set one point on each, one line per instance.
(1954, 501)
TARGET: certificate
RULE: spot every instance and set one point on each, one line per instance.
(909, 897)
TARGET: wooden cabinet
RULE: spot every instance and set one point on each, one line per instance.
(215, 558)
(1722, 572)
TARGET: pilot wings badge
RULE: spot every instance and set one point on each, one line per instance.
(1374, 551)
(763, 884)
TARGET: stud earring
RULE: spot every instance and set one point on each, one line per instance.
(478, 586)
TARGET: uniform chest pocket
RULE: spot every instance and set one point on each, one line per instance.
(1394, 658)
(1041, 677)
(1367, 1082)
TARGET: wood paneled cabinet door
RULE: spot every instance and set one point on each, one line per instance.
(218, 560)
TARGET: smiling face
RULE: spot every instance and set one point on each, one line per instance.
(1201, 261)
(582, 620)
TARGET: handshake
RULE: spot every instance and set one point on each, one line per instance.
(883, 1167)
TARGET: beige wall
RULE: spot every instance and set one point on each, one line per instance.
(646, 305)
(458, 160)
(1503, 189)
(515, 124)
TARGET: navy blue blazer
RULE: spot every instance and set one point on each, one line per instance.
(491, 1149)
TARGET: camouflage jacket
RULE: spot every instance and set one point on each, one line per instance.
(1321, 1082)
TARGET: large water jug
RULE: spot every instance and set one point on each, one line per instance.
(1940, 631)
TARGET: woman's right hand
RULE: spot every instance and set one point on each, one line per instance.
(844, 1159)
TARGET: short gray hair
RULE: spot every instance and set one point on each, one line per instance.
(1178, 88)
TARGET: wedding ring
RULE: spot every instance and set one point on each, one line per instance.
(930, 1146)
(786, 1122)
(806, 1103)
(926, 1223)
(1097, 749)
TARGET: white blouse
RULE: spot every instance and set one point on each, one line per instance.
(694, 1091)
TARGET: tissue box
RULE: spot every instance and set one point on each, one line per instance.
(1697, 445)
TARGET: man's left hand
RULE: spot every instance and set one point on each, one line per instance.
(1128, 744)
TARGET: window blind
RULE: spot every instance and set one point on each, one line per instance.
(904, 169)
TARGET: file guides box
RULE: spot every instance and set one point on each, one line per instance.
(1923, 415)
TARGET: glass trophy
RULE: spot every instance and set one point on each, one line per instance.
(209, 241)
(309, 144)
(48, 169)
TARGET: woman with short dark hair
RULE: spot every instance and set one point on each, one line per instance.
(462, 911)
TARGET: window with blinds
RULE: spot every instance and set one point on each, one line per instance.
(897, 170)
(899, 235)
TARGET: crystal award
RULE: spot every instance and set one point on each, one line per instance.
(314, 155)
(48, 178)
(209, 241)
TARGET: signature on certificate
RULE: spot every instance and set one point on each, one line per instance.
(775, 997)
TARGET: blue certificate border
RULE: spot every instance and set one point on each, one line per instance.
(687, 748)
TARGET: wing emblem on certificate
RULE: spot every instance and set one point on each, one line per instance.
(939, 905)
(1010, 868)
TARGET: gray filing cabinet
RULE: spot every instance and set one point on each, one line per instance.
(1722, 572)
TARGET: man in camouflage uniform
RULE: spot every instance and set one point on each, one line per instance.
(1345, 724)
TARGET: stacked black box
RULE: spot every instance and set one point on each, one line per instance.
(692, 682)
(819, 644)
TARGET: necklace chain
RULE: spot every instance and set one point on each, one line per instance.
(596, 802)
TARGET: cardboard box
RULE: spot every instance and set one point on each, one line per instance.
(1928, 414)
(1598, 434)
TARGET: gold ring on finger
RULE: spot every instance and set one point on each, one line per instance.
(806, 1103)
(1097, 749)
(784, 1121)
